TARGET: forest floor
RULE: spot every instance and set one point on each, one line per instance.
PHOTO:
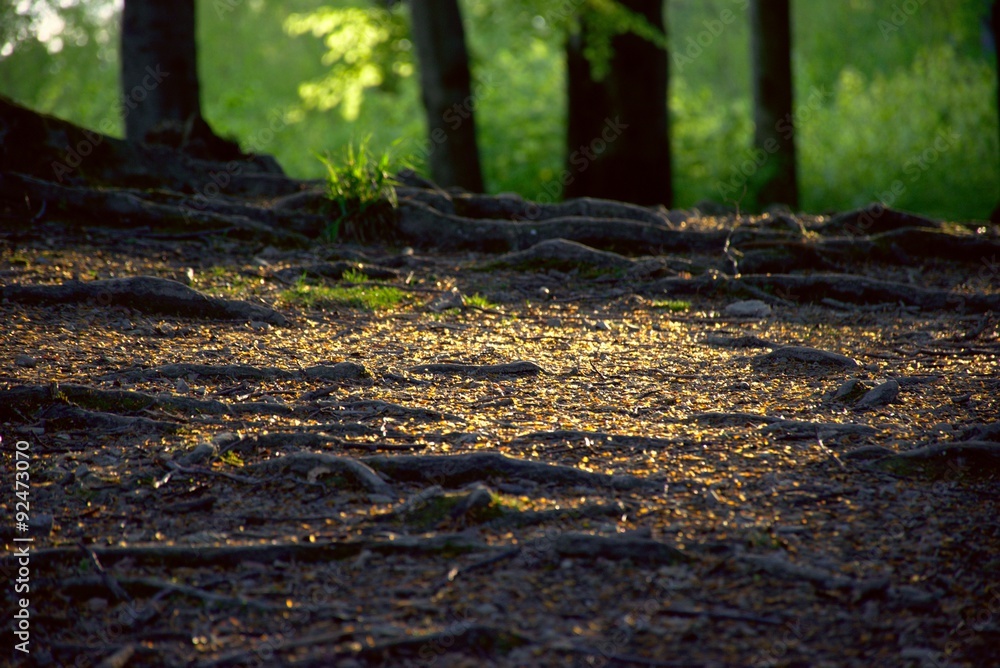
(446, 460)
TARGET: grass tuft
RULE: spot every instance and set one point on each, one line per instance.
(361, 191)
(478, 301)
(672, 305)
(366, 297)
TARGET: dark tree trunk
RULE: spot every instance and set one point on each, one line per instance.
(618, 143)
(439, 38)
(161, 98)
(771, 43)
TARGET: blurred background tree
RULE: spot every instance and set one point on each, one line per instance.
(886, 91)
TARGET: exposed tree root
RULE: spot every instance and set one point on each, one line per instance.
(480, 370)
(337, 372)
(966, 459)
(457, 470)
(146, 294)
(421, 225)
(815, 288)
(70, 417)
(234, 555)
(42, 146)
(596, 439)
(374, 408)
(314, 465)
(162, 211)
(25, 400)
(812, 430)
(639, 550)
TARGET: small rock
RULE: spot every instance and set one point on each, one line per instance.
(544, 292)
(554, 323)
(97, 604)
(26, 361)
(486, 610)
(199, 454)
(880, 395)
(379, 498)
(40, 525)
(851, 390)
(225, 438)
(805, 355)
(270, 253)
(339, 371)
(749, 308)
(181, 386)
(451, 299)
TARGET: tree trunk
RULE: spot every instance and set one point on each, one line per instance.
(161, 97)
(771, 43)
(618, 143)
(439, 39)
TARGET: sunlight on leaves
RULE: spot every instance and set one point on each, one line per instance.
(366, 48)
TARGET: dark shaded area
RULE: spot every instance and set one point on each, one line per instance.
(617, 141)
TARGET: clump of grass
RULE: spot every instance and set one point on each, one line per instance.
(361, 190)
(478, 301)
(354, 276)
(367, 297)
(672, 305)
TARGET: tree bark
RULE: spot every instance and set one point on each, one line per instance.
(771, 45)
(618, 143)
(439, 39)
(161, 94)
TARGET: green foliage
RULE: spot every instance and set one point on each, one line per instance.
(478, 301)
(602, 21)
(923, 164)
(672, 305)
(354, 276)
(368, 298)
(366, 47)
(72, 73)
(360, 189)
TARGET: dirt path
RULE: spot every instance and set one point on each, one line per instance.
(539, 459)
